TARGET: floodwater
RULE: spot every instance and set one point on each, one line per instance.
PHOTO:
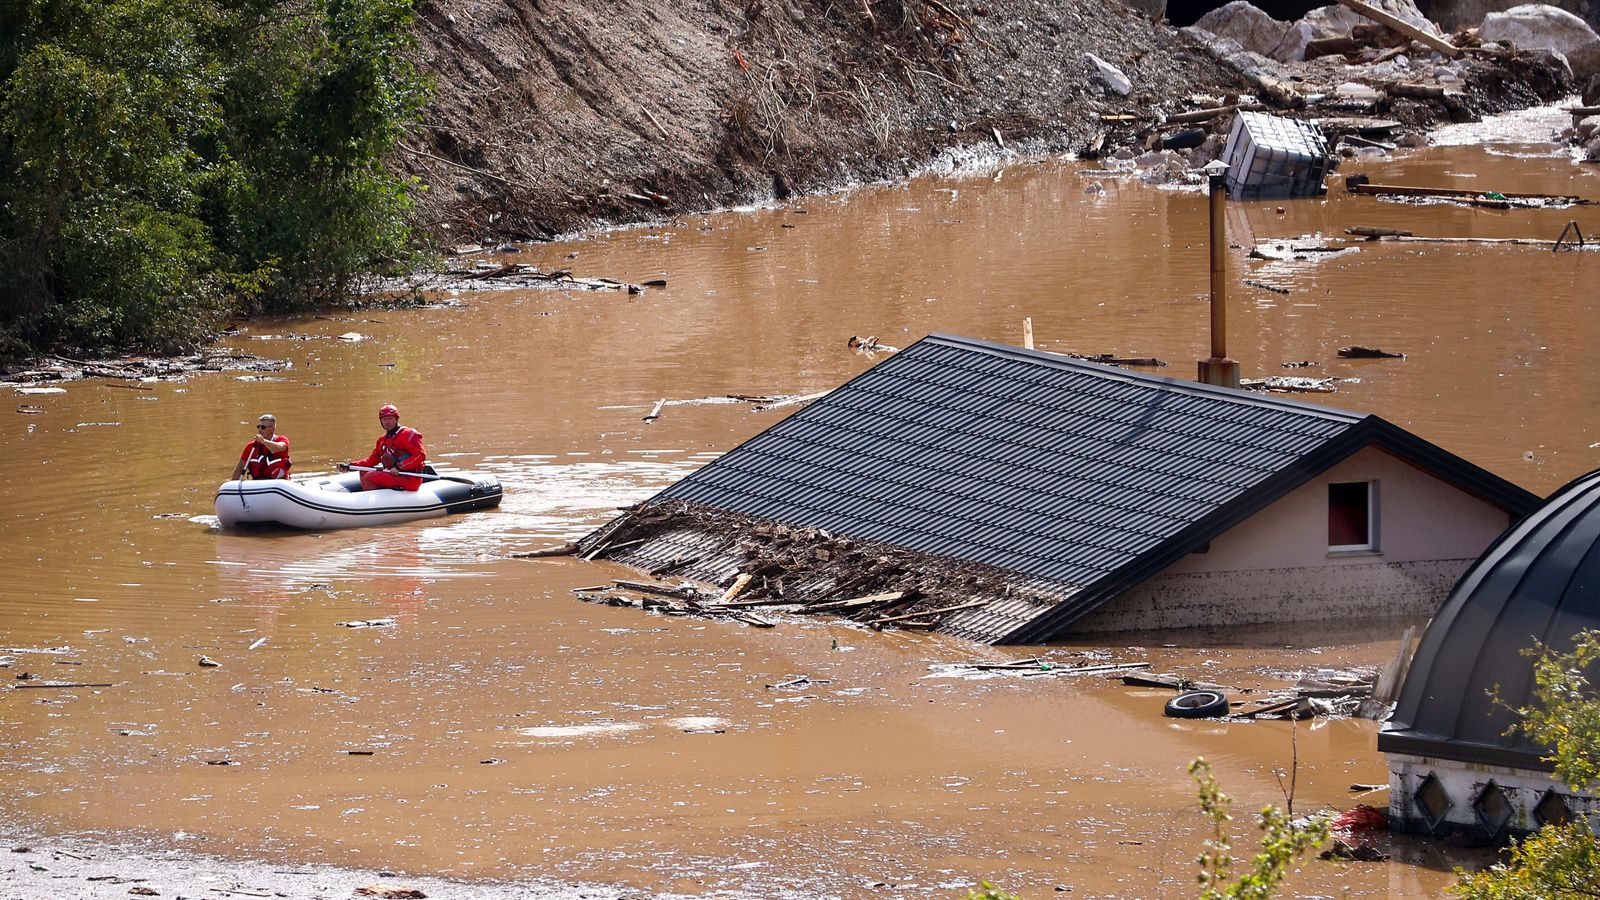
(509, 731)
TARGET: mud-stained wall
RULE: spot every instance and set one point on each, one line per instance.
(1362, 590)
(1277, 566)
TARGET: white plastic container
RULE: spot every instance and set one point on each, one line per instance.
(1268, 156)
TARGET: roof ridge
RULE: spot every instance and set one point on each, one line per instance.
(1165, 382)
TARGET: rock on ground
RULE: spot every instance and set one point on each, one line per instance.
(1538, 26)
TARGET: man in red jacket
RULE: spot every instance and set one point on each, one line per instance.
(267, 454)
(398, 450)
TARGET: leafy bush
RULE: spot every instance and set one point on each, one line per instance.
(167, 163)
(1282, 842)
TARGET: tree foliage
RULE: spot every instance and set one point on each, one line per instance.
(1282, 842)
(1557, 861)
(165, 163)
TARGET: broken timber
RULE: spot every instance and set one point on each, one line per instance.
(1355, 186)
(1406, 28)
(928, 612)
(1525, 242)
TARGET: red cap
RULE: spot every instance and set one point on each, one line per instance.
(388, 410)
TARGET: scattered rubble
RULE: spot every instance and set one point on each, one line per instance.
(141, 369)
(798, 570)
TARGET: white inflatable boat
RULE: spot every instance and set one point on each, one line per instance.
(337, 501)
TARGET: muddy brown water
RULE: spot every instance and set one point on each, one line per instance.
(515, 732)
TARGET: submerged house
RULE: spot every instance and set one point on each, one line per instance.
(1014, 496)
(1454, 763)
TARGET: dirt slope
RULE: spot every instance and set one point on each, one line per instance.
(556, 114)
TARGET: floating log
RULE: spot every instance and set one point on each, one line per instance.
(63, 684)
(1372, 231)
(1368, 353)
(1406, 28)
(656, 412)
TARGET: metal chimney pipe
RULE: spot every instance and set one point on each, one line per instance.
(1219, 369)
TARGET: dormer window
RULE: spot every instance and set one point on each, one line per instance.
(1352, 516)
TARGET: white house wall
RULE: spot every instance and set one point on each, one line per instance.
(1276, 565)
(1463, 783)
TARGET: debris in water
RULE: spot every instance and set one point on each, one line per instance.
(1357, 352)
(869, 345)
(1269, 156)
(390, 892)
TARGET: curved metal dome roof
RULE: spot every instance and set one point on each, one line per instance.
(1539, 582)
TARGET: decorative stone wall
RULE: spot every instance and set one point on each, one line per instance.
(1431, 795)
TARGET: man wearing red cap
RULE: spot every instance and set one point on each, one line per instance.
(398, 450)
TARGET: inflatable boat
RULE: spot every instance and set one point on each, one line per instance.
(337, 501)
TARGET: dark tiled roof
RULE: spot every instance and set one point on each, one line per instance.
(1539, 583)
(1084, 476)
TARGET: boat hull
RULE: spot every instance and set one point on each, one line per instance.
(338, 502)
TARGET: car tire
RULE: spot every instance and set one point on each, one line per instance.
(1197, 705)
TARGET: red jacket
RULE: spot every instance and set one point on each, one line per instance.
(263, 463)
(402, 449)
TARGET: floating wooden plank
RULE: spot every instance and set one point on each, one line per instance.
(1406, 190)
(685, 592)
(1525, 242)
(929, 612)
(852, 603)
(656, 412)
(1032, 663)
(1098, 669)
(792, 401)
(1406, 28)
(1163, 680)
(566, 549)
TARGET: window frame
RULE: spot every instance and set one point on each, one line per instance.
(1371, 546)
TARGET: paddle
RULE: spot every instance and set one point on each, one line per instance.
(423, 475)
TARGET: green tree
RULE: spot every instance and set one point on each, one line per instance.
(167, 163)
(1557, 861)
(1282, 842)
